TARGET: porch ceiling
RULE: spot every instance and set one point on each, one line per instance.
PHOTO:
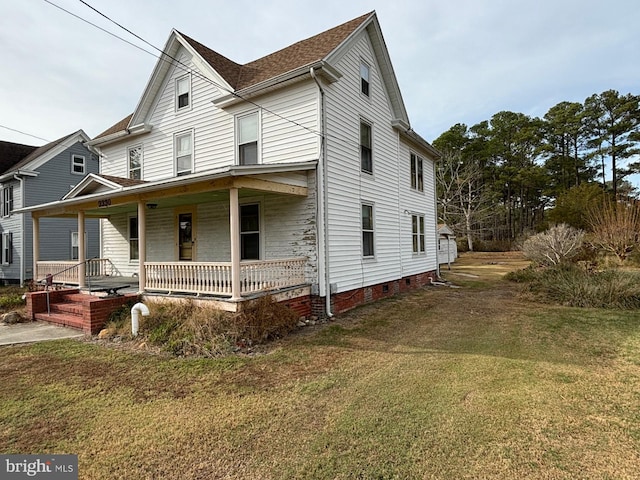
(188, 190)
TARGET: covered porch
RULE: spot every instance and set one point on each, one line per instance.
(179, 262)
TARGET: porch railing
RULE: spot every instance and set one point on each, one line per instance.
(67, 271)
(215, 277)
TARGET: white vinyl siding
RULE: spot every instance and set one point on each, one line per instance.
(389, 187)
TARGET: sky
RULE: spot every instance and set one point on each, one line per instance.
(457, 61)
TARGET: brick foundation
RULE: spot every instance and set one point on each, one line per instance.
(344, 301)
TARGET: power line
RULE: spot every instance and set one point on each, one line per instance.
(25, 133)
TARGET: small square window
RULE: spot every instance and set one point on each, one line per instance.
(77, 164)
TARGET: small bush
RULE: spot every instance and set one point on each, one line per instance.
(557, 245)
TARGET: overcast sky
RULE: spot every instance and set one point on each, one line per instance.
(457, 61)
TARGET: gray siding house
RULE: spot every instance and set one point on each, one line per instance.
(34, 175)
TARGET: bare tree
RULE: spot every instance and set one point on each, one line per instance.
(557, 245)
(462, 196)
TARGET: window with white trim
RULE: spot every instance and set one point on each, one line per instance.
(417, 233)
(250, 231)
(7, 200)
(417, 173)
(77, 164)
(134, 158)
(183, 147)
(364, 78)
(7, 248)
(366, 153)
(247, 135)
(183, 92)
(367, 231)
(134, 253)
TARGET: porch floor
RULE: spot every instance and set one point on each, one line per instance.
(104, 284)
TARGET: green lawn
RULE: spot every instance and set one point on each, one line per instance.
(442, 383)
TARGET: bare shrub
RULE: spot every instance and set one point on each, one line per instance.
(265, 319)
(615, 228)
(557, 245)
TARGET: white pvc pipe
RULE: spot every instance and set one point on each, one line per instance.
(136, 310)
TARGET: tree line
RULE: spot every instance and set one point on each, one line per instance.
(513, 174)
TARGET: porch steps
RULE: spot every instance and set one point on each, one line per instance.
(68, 311)
(68, 307)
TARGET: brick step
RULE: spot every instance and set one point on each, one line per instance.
(61, 319)
(78, 298)
(68, 308)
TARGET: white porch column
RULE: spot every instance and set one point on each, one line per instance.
(142, 245)
(35, 221)
(82, 255)
(234, 227)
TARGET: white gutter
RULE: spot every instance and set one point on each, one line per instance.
(325, 199)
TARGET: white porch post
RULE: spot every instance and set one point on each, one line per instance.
(234, 227)
(142, 245)
(82, 255)
(35, 221)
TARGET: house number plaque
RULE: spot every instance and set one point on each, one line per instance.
(104, 203)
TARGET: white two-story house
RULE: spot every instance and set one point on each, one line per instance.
(296, 174)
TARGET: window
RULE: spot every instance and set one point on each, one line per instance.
(135, 162)
(74, 245)
(7, 247)
(77, 164)
(7, 200)
(367, 231)
(364, 79)
(366, 161)
(248, 139)
(417, 233)
(184, 153)
(183, 91)
(133, 239)
(417, 173)
(250, 232)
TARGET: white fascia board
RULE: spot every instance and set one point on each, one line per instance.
(79, 136)
(17, 173)
(86, 181)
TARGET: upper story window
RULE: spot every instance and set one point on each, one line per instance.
(366, 157)
(367, 231)
(364, 78)
(135, 162)
(183, 92)
(77, 164)
(7, 200)
(247, 134)
(183, 148)
(417, 233)
(417, 173)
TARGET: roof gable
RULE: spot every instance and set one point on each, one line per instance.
(325, 48)
(98, 183)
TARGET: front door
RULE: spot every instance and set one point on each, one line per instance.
(186, 239)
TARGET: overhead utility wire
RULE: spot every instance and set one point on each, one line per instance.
(181, 65)
(25, 133)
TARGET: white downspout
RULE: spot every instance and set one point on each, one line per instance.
(325, 196)
(136, 310)
(435, 213)
(22, 234)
